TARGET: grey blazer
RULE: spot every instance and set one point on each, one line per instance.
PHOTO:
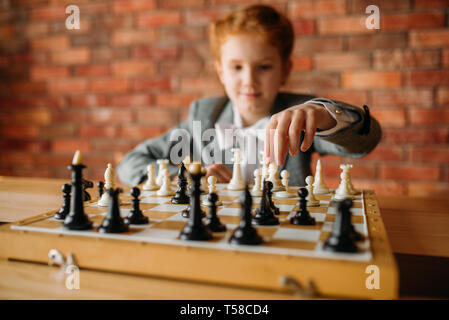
(354, 141)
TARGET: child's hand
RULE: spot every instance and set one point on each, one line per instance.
(284, 130)
(220, 171)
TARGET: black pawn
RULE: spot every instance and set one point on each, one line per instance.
(195, 229)
(246, 233)
(181, 196)
(212, 221)
(65, 209)
(77, 219)
(113, 222)
(341, 238)
(264, 213)
(100, 186)
(86, 185)
(302, 216)
(135, 215)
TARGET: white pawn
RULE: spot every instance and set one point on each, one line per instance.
(255, 191)
(318, 186)
(236, 182)
(212, 181)
(288, 191)
(277, 184)
(343, 191)
(150, 184)
(162, 166)
(166, 189)
(311, 200)
(109, 177)
(265, 174)
(350, 185)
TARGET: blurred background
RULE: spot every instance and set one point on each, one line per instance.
(134, 66)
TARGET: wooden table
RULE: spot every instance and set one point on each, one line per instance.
(418, 230)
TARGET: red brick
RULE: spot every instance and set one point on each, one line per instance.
(88, 131)
(157, 116)
(321, 44)
(88, 100)
(70, 145)
(16, 158)
(129, 69)
(35, 29)
(399, 59)
(304, 27)
(50, 43)
(302, 63)
(132, 37)
(109, 85)
(371, 79)
(48, 102)
(428, 190)
(186, 33)
(429, 38)
(426, 4)
(354, 97)
(128, 100)
(378, 41)
(402, 97)
(430, 154)
(6, 32)
(140, 132)
(48, 13)
(71, 115)
(60, 130)
(390, 117)
(111, 116)
(127, 6)
(416, 136)
(30, 116)
(382, 187)
(446, 57)
(31, 146)
(72, 85)
(429, 116)
(183, 66)
(176, 4)
(385, 152)
(27, 87)
(317, 9)
(312, 81)
(428, 78)
(159, 18)
(343, 25)
(92, 70)
(30, 58)
(71, 56)
(156, 52)
(200, 84)
(156, 84)
(175, 100)
(203, 16)
(407, 21)
(16, 131)
(357, 6)
(443, 96)
(410, 172)
(48, 72)
(341, 61)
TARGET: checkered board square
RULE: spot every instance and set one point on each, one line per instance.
(166, 223)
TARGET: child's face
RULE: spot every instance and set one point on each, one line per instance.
(252, 73)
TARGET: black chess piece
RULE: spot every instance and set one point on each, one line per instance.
(77, 219)
(186, 212)
(195, 229)
(273, 207)
(64, 211)
(246, 233)
(113, 222)
(212, 221)
(135, 215)
(302, 216)
(181, 196)
(341, 238)
(100, 186)
(86, 185)
(264, 213)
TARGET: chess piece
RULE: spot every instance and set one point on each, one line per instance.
(270, 199)
(343, 191)
(86, 185)
(77, 219)
(288, 193)
(113, 222)
(166, 189)
(236, 182)
(273, 177)
(318, 186)
(264, 213)
(65, 209)
(109, 177)
(195, 229)
(212, 181)
(135, 215)
(246, 234)
(302, 216)
(352, 190)
(265, 173)
(181, 196)
(150, 184)
(100, 186)
(212, 221)
(162, 166)
(341, 238)
(311, 200)
(256, 190)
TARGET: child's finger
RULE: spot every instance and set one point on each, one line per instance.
(310, 131)
(294, 132)
(269, 134)
(280, 138)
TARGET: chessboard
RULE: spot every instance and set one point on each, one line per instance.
(290, 258)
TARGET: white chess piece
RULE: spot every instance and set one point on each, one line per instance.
(109, 178)
(311, 200)
(343, 191)
(255, 191)
(352, 190)
(265, 173)
(236, 182)
(212, 181)
(273, 177)
(166, 189)
(318, 186)
(150, 184)
(288, 193)
(162, 166)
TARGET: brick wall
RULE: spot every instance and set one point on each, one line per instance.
(132, 69)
